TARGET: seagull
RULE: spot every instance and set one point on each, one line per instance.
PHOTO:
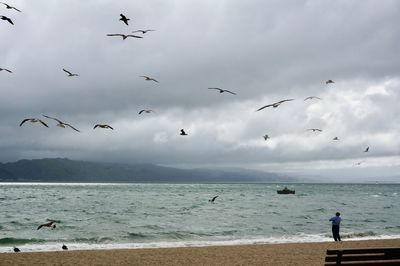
(69, 73)
(7, 19)
(64, 247)
(5, 69)
(329, 81)
(49, 224)
(266, 137)
(315, 129)
(124, 36)
(10, 7)
(103, 126)
(335, 138)
(221, 90)
(124, 19)
(145, 111)
(149, 78)
(275, 105)
(16, 249)
(183, 133)
(61, 123)
(312, 97)
(142, 31)
(33, 120)
(367, 149)
(213, 199)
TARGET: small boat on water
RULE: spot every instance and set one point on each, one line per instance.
(286, 191)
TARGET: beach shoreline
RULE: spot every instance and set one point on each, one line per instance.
(312, 253)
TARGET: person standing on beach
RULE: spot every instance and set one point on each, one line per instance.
(335, 226)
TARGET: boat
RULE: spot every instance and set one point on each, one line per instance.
(286, 191)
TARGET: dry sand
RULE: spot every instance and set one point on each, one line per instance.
(266, 254)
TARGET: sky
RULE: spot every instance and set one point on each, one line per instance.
(264, 51)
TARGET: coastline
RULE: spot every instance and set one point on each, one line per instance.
(255, 254)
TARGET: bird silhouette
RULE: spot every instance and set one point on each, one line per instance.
(61, 123)
(124, 19)
(64, 247)
(10, 7)
(48, 224)
(366, 149)
(312, 97)
(274, 105)
(7, 19)
(266, 137)
(329, 81)
(183, 133)
(69, 73)
(315, 129)
(33, 120)
(213, 199)
(145, 111)
(103, 126)
(5, 69)
(149, 78)
(335, 138)
(142, 31)
(222, 91)
(124, 36)
(16, 249)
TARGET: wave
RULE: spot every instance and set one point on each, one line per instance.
(19, 241)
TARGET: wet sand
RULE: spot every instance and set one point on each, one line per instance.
(262, 254)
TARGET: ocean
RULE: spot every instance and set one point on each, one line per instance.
(105, 216)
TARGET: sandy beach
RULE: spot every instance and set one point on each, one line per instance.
(265, 254)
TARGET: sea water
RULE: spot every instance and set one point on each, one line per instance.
(96, 216)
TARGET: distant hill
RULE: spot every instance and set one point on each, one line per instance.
(65, 170)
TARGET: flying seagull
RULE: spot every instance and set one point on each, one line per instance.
(329, 81)
(61, 123)
(124, 36)
(64, 247)
(69, 73)
(149, 78)
(145, 111)
(367, 149)
(5, 69)
(103, 126)
(124, 19)
(213, 199)
(183, 133)
(7, 19)
(335, 138)
(221, 90)
(10, 7)
(33, 120)
(275, 105)
(315, 129)
(312, 97)
(142, 31)
(49, 224)
(266, 137)
(16, 249)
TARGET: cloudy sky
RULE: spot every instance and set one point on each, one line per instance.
(265, 51)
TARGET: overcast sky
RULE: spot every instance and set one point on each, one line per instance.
(265, 51)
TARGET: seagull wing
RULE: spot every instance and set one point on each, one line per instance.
(43, 123)
(116, 34)
(110, 127)
(141, 111)
(69, 73)
(71, 127)
(287, 100)
(134, 36)
(265, 106)
(231, 92)
(59, 121)
(23, 121)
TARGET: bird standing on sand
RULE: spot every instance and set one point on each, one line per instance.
(5, 69)
(124, 19)
(64, 247)
(6, 19)
(183, 133)
(10, 7)
(274, 105)
(329, 81)
(16, 249)
(142, 31)
(221, 90)
(315, 129)
(69, 73)
(367, 149)
(103, 126)
(149, 78)
(49, 224)
(61, 123)
(124, 36)
(33, 120)
(213, 199)
(312, 97)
